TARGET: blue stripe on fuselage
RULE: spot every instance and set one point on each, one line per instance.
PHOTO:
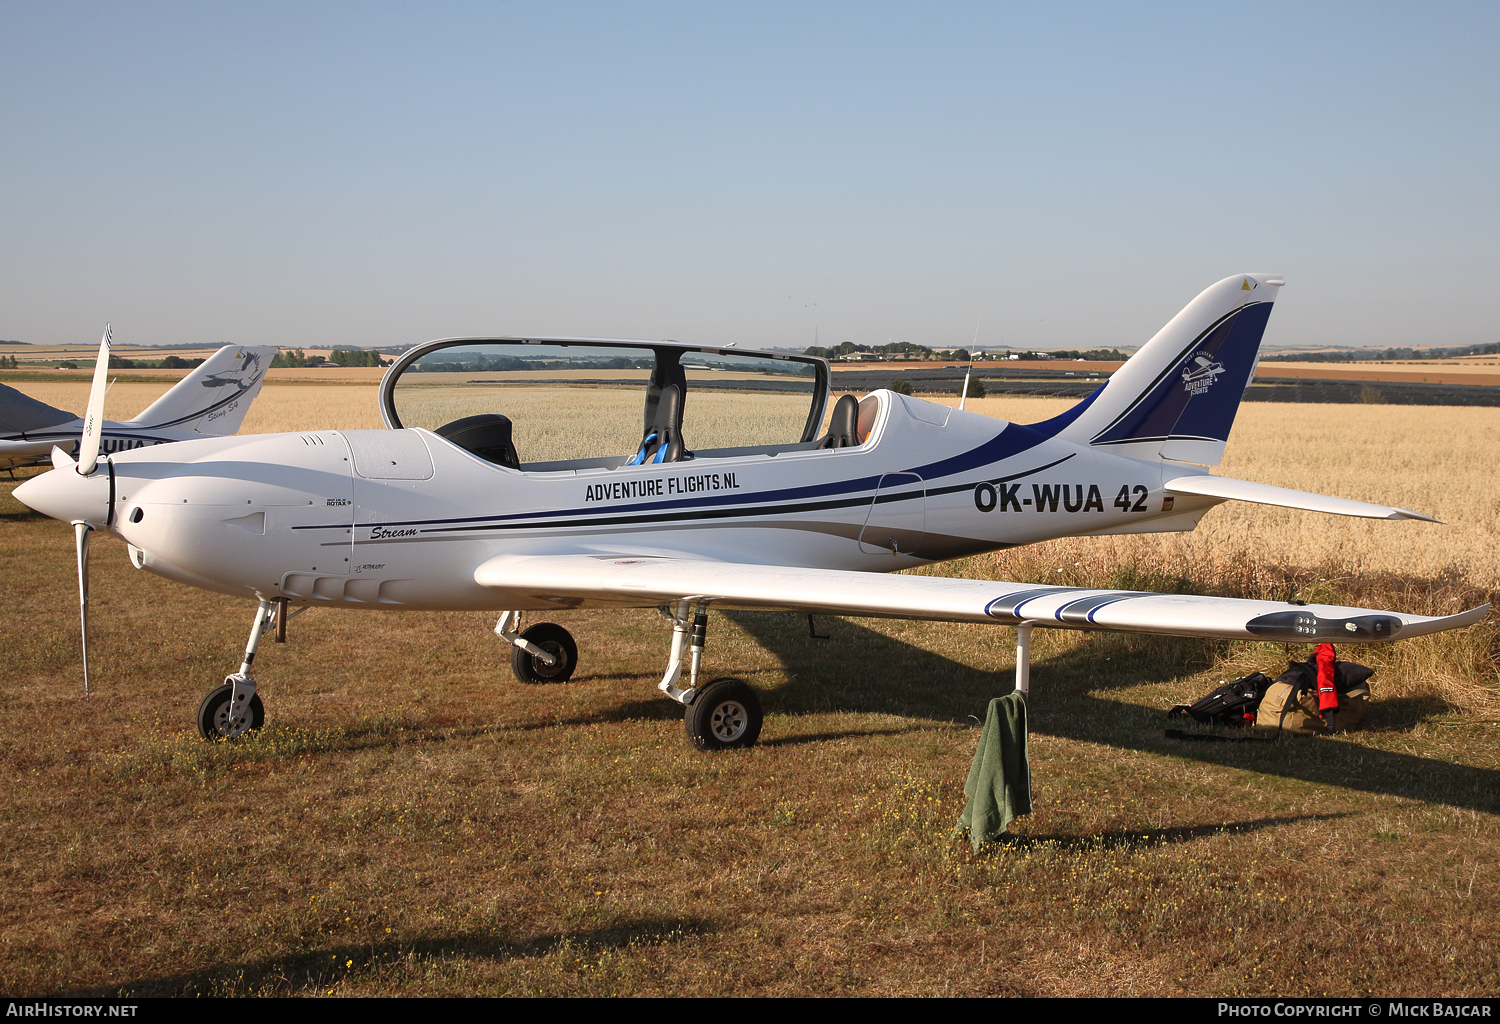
(1012, 440)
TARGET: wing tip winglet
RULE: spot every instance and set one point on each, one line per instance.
(1473, 615)
(1442, 623)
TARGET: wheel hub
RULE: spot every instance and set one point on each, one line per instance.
(559, 659)
(229, 722)
(728, 721)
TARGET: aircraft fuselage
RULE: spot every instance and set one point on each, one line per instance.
(400, 518)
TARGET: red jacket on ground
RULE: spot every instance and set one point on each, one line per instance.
(1328, 695)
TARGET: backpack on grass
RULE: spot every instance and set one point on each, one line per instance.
(1232, 704)
(1315, 697)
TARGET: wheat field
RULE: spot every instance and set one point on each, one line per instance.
(278, 407)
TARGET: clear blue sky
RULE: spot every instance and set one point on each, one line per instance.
(318, 174)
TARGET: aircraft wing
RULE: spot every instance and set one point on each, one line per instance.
(21, 453)
(644, 580)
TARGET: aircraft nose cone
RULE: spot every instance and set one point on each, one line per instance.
(63, 494)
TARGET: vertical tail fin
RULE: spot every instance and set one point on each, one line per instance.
(1176, 397)
(214, 398)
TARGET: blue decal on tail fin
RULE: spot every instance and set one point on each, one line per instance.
(214, 397)
(1196, 397)
(1177, 396)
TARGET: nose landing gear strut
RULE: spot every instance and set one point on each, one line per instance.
(234, 709)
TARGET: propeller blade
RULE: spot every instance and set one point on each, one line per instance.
(93, 419)
(61, 458)
(81, 532)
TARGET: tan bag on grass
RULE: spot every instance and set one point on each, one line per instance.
(1284, 708)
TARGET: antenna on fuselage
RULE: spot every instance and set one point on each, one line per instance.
(964, 395)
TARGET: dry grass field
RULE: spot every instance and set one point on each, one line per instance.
(413, 821)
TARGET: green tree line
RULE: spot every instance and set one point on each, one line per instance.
(295, 357)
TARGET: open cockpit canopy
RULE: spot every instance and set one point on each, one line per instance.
(565, 403)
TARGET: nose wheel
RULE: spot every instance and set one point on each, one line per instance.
(549, 654)
(222, 717)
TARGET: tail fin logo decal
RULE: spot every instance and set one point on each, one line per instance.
(243, 377)
(1200, 373)
(1247, 286)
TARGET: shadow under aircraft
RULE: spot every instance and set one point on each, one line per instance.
(1069, 699)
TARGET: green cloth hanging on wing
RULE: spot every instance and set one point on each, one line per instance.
(999, 785)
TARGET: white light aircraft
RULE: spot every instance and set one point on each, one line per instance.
(520, 475)
(210, 401)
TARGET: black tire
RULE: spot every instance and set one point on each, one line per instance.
(724, 716)
(216, 723)
(556, 641)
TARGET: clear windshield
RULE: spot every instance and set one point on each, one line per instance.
(563, 401)
(737, 401)
(595, 401)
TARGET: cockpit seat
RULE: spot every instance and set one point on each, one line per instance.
(843, 425)
(486, 435)
(663, 440)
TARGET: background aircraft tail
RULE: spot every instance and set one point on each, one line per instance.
(1176, 397)
(214, 398)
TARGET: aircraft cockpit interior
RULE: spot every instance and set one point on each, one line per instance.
(559, 405)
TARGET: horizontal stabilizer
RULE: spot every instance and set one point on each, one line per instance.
(569, 581)
(1265, 494)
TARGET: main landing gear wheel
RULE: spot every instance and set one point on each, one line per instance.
(556, 641)
(218, 721)
(726, 714)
